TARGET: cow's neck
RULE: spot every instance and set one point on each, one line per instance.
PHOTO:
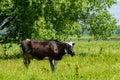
(60, 55)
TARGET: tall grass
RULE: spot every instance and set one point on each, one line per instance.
(93, 61)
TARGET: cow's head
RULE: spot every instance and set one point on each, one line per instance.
(69, 48)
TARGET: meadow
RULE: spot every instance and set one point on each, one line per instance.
(94, 60)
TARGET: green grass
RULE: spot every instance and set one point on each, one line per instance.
(96, 60)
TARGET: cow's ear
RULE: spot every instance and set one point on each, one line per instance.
(53, 47)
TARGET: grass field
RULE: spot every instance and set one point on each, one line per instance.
(96, 60)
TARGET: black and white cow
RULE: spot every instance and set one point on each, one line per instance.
(51, 49)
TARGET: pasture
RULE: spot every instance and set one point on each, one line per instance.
(95, 60)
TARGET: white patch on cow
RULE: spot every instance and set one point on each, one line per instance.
(28, 39)
(46, 58)
(70, 43)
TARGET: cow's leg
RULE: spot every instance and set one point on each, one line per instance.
(52, 64)
(55, 64)
(26, 61)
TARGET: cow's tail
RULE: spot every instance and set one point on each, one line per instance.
(26, 48)
(26, 45)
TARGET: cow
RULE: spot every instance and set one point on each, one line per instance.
(51, 49)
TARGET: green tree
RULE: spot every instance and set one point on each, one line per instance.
(55, 19)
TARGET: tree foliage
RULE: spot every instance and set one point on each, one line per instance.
(55, 19)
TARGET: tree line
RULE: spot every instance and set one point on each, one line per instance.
(55, 19)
